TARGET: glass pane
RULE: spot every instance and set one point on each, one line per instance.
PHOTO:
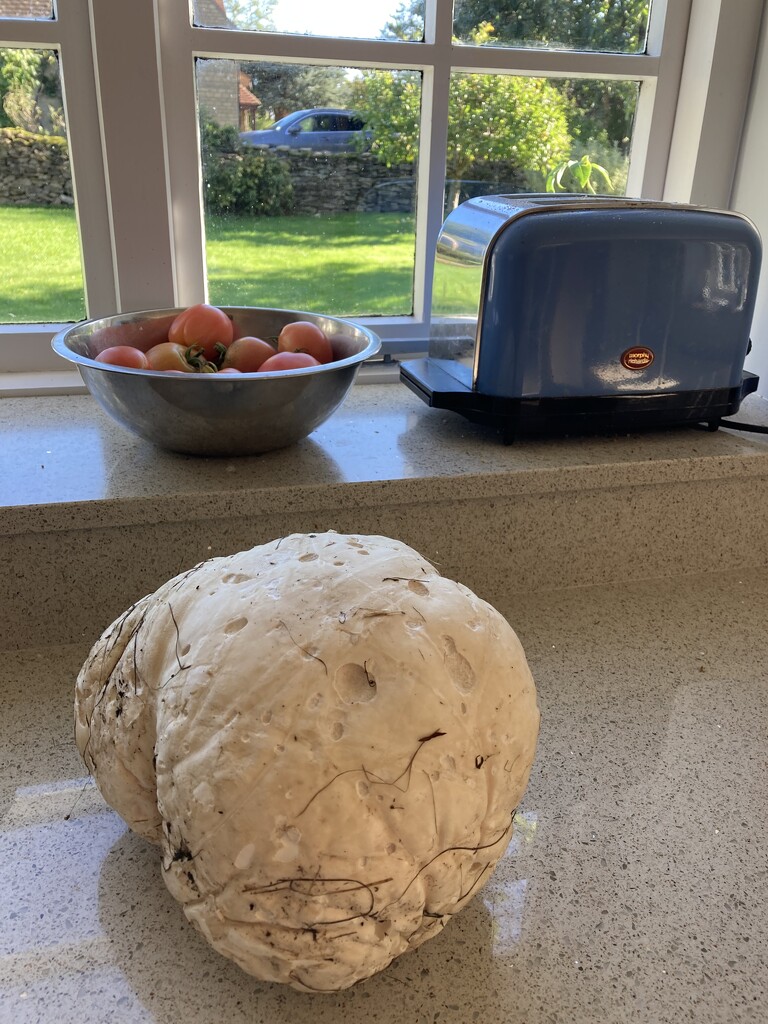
(548, 135)
(41, 279)
(39, 9)
(375, 19)
(309, 185)
(617, 26)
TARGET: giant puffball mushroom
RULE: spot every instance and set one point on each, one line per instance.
(327, 739)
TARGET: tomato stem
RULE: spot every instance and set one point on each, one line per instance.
(195, 357)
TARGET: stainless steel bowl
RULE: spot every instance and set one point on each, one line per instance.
(210, 413)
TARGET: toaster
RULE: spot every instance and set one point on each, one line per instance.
(560, 314)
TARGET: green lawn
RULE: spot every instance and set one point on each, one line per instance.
(41, 279)
(343, 264)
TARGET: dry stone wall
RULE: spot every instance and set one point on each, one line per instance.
(336, 182)
(342, 182)
(34, 170)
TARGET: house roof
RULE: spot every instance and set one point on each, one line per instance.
(245, 97)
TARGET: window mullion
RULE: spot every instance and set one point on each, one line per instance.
(81, 107)
(655, 114)
(29, 33)
(432, 148)
(134, 152)
(179, 105)
(709, 111)
(553, 63)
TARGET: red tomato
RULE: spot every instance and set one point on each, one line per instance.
(303, 336)
(124, 355)
(169, 356)
(288, 361)
(177, 323)
(247, 354)
(203, 326)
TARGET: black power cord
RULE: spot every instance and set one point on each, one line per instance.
(744, 426)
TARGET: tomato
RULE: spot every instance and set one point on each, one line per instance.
(303, 336)
(203, 326)
(247, 354)
(169, 356)
(177, 324)
(124, 355)
(288, 361)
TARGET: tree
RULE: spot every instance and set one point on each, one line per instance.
(390, 104)
(506, 120)
(407, 22)
(252, 15)
(283, 88)
(599, 113)
(609, 25)
(516, 124)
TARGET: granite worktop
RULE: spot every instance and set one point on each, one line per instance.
(635, 888)
(64, 462)
(633, 569)
(92, 518)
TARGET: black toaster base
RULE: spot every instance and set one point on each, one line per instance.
(604, 414)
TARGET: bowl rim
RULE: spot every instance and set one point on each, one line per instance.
(60, 347)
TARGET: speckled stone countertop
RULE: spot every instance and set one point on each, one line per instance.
(92, 518)
(635, 570)
(635, 889)
(63, 462)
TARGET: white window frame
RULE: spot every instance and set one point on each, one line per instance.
(134, 145)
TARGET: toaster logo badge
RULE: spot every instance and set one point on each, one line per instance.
(637, 358)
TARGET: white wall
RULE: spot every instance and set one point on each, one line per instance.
(750, 196)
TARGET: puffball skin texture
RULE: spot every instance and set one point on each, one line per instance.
(327, 739)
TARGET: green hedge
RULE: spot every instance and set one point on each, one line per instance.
(238, 179)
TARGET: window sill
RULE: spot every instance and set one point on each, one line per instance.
(92, 517)
(40, 383)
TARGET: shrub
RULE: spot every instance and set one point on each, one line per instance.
(216, 138)
(238, 179)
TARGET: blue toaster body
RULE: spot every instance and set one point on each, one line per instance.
(584, 312)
